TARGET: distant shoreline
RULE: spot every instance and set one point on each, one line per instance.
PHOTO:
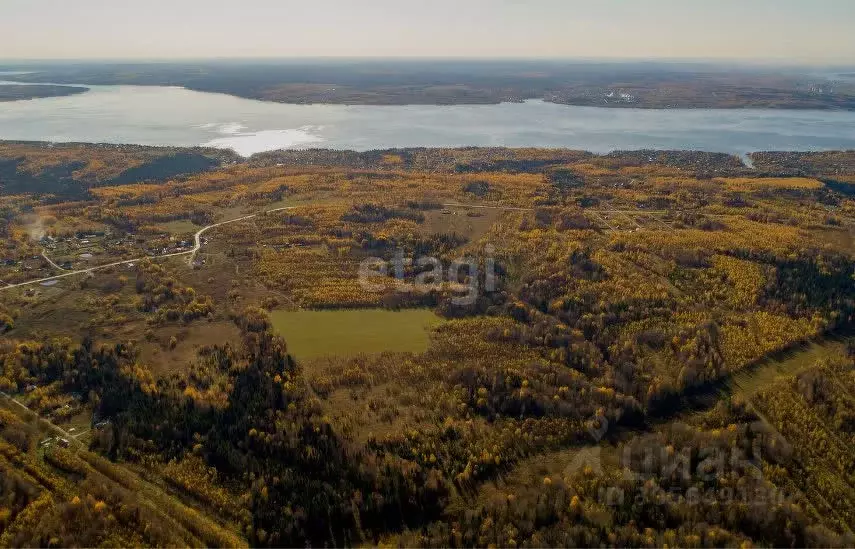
(25, 92)
(659, 86)
(175, 116)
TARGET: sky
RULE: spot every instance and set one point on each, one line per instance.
(769, 30)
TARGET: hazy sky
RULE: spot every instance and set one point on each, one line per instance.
(786, 30)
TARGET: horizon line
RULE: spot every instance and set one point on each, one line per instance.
(781, 61)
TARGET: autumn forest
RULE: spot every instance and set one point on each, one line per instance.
(640, 349)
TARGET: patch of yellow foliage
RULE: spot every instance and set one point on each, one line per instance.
(762, 183)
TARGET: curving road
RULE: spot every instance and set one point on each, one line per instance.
(197, 245)
(49, 260)
(197, 239)
(48, 422)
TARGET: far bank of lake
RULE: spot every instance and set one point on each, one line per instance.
(150, 115)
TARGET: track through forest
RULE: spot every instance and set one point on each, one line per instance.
(192, 253)
(197, 238)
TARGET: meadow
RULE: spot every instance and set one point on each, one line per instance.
(312, 334)
(255, 393)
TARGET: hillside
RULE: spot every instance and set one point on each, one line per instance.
(18, 92)
(634, 349)
(613, 84)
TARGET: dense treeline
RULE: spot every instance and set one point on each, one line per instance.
(448, 82)
(302, 482)
(606, 292)
(718, 483)
(69, 170)
(19, 92)
(813, 410)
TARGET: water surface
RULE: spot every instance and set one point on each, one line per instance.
(175, 116)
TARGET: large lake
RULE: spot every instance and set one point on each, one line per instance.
(175, 116)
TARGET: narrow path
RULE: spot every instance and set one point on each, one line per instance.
(603, 220)
(631, 220)
(81, 433)
(482, 207)
(90, 270)
(197, 238)
(32, 412)
(49, 260)
(192, 253)
(154, 497)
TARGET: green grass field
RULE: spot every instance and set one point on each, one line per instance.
(311, 334)
(788, 363)
(180, 227)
